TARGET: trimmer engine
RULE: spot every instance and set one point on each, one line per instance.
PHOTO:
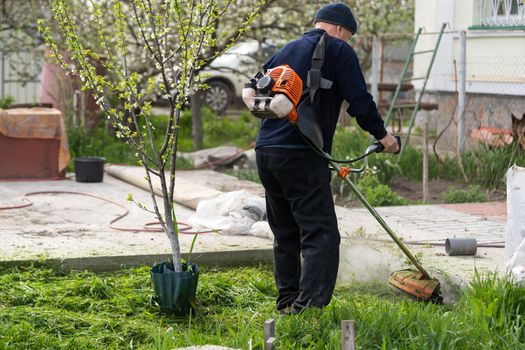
(275, 94)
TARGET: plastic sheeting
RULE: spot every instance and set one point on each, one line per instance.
(515, 238)
(36, 123)
(233, 213)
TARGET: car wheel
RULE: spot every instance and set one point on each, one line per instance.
(218, 96)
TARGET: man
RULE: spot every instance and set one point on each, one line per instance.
(299, 199)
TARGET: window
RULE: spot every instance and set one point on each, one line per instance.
(503, 13)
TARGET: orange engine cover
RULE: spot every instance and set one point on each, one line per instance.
(289, 83)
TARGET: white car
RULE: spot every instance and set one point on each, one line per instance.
(228, 73)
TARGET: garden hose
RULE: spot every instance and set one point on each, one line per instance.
(183, 227)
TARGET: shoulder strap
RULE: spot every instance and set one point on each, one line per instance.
(314, 80)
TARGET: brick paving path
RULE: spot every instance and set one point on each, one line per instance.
(434, 223)
(489, 210)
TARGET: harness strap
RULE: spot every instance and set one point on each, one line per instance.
(314, 79)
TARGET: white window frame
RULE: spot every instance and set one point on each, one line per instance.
(491, 17)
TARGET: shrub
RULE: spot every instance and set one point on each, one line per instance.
(7, 101)
(411, 165)
(349, 144)
(379, 194)
(469, 195)
(217, 131)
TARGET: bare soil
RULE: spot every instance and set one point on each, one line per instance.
(413, 191)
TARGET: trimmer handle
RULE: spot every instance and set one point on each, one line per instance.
(380, 148)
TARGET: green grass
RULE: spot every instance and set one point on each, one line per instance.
(44, 309)
(484, 166)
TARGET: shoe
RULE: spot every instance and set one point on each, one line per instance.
(296, 310)
(288, 310)
(291, 310)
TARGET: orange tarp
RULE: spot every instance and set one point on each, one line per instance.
(36, 123)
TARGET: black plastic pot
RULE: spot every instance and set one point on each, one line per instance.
(89, 169)
(175, 290)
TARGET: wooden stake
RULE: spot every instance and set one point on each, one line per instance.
(348, 335)
(269, 334)
(270, 344)
(425, 159)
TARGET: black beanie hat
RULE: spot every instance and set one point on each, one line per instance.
(339, 14)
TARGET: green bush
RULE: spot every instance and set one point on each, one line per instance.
(6, 101)
(484, 166)
(238, 132)
(471, 194)
(411, 165)
(349, 144)
(99, 142)
(217, 131)
(487, 166)
(385, 167)
(379, 194)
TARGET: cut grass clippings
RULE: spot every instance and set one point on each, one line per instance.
(44, 309)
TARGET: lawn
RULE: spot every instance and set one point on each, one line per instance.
(41, 308)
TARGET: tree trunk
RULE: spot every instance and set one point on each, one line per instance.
(175, 249)
(196, 120)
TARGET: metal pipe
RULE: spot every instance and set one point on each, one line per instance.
(462, 88)
(425, 158)
(422, 92)
(374, 79)
(461, 246)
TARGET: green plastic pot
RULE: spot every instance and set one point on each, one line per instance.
(175, 290)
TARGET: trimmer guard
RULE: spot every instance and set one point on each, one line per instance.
(413, 283)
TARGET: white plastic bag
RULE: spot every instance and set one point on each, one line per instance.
(515, 238)
(261, 229)
(233, 224)
(233, 213)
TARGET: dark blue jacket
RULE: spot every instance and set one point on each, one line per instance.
(341, 66)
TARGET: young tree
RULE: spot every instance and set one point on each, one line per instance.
(177, 38)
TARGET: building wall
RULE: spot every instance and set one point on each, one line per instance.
(481, 110)
(495, 67)
(19, 75)
(495, 58)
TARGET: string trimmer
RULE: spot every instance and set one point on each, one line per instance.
(275, 95)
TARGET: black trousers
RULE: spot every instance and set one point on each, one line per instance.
(301, 214)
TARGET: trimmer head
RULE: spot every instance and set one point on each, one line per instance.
(413, 283)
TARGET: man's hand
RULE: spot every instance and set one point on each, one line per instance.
(390, 143)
